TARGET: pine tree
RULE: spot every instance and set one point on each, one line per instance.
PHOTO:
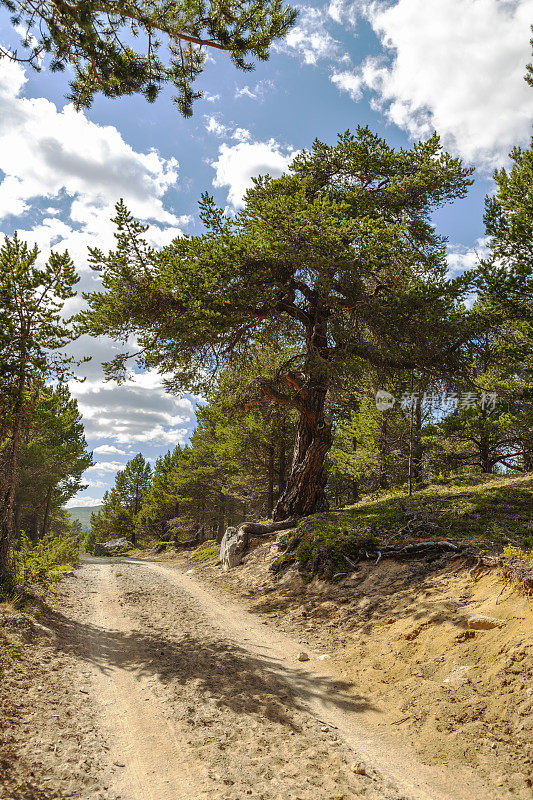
(52, 459)
(339, 256)
(507, 275)
(32, 333)
(127, 48)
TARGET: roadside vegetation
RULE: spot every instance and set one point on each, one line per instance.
(472, 513)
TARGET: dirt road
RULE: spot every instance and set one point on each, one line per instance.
(192, 700)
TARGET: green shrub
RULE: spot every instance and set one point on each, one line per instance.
(324, 544)
(45, 561)
(89, 542)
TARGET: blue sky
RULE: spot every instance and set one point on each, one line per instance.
(404, 67)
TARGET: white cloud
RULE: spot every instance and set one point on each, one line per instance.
(103, 467)
(461, 258)
(348, 81)
(218, 128)
(109, 450)
(245, 91)
(238, 164)
(241, 135)
(310, 40)
(212, 125)
(344, 11)
(256, 92)
(138, 411)
(457, 67)
(210, 98)
(94, 484)
(46, 152)
(85, 502)
(335, 10)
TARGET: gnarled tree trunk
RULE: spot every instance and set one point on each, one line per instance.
(304, 492)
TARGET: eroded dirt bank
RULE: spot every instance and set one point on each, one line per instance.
(398, 633)
(144, 682)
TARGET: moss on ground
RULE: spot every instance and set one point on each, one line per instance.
(206, 555)
(484, 508)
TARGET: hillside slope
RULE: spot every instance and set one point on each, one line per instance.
(83, 514)
(443, 645)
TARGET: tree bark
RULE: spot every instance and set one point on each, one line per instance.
(527, 456)
(417, 442)
(383, 479)
(304, 492)
(484, 445)
(221, 514)
(46, 511)
(270, 480)
(7, 508)
(282, 466)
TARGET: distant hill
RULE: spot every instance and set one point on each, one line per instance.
(83, 513)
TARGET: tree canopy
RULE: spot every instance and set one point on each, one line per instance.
(139, 47)
(337, 261)
(32, 335)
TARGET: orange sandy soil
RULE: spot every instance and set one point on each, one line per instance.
(399, 632)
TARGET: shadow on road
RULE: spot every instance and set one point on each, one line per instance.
(224, 672)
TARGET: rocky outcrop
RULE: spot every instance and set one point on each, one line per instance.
(111, 548)
(235, 540)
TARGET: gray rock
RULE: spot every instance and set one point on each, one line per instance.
(111, 548)
(303, 656)
(235, 540)
(231, 549)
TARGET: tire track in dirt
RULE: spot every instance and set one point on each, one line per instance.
(313, 683)
(198, 699)
(152, 759)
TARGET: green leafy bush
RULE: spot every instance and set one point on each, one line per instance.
(44, 561)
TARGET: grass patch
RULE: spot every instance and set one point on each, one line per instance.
(488, 508)
(206, 555)
(484, 508)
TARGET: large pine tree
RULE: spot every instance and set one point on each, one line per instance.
(338, 259)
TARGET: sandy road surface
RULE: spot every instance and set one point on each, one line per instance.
(198, 700)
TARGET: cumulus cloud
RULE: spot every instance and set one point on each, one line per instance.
(256, 92)
(103, 467)
(213, 125)
(138, 411)
(310, 39)
(83, 502)
(456, 66)
(238, 164)
(348, 81)
(70, 172)
(109, 450)
(461, 258)
(245, 91)
(48, 153)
